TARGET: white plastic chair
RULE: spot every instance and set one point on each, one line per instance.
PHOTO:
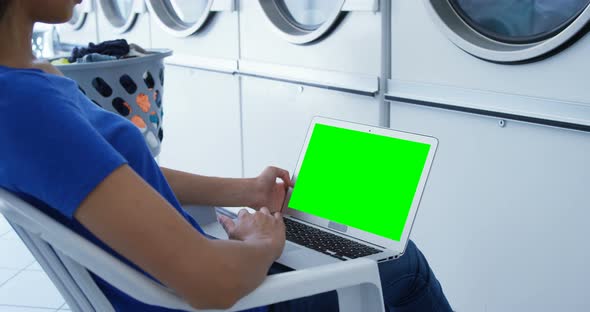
(67, 259)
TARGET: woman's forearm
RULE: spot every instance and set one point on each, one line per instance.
(193, 189)
(209, 274)
(243, 266)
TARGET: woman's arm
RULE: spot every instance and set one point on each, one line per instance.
(143, 227)
(262, 191)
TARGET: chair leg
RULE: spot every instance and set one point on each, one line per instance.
(86, 284)
(364, 297)
(61, 280)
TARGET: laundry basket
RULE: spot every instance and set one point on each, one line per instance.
(131, 87)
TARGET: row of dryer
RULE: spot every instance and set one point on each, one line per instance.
(489, 30)
(529, 67)
(505, 95)
(301, 42)
(425, 43)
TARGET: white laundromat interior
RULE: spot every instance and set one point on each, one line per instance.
(503, 220)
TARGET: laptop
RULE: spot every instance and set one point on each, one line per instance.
(356, 193)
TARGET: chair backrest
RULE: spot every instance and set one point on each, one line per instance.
(67, 258)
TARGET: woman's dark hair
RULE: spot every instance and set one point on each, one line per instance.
(4, 7)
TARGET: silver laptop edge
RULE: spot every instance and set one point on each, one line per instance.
(298, 256)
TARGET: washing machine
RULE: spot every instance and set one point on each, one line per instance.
(299, 59)
(531, 49)
(81, 28)
(501, 85)
(202, 99)
(124, 19)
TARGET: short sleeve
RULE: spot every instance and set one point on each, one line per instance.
(49, 149)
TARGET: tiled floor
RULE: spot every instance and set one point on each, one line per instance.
(24, 287)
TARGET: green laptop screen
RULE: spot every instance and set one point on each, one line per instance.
(359, 179)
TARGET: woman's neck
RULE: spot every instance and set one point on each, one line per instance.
(17, 31)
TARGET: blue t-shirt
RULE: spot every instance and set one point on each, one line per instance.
(57, 146)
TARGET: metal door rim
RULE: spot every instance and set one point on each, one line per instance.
(288, 31)
(137, 8)
(86, 8)
(480, 46)
(170, 25)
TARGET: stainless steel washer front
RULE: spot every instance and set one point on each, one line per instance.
(124, 19)
(509, 31)
(81, 28)
(122, 14)
(302, 22)
(80, 15)
(181, 18)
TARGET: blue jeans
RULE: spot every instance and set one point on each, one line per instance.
(408, 285)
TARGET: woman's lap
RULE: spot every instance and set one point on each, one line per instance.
(408, 284)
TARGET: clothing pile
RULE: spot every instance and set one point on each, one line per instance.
(105, 51)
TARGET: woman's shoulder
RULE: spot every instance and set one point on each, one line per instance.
(33, 80)
(32, 87)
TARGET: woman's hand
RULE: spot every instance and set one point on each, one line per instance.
(268, 192)
(261, 228)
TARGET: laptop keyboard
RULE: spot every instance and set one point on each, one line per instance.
(325, 242)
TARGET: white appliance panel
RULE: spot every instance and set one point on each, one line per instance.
(218, 38)
(422, 53)
(503, 216)
(276, 116)
(353, 46)
(87, 31)
(201, 122)
(138, 33)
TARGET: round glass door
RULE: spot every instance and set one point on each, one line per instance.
(121, 13)
(511, 30)
(519, 21)
(302, 21)
(308, 15)
(180, 18)
(79, 15)
(122, 10)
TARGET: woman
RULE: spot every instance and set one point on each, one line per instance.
(91, 170)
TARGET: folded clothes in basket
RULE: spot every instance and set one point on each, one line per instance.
(104, 51)
(116, 48)
(95, 57)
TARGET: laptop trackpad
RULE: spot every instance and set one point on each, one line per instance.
(298, 258)
(289, 248)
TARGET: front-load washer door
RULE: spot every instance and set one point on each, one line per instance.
(122, 14)
(511, 31)
(306, 21)
(302, 21)
(182, 18)
(79, 16)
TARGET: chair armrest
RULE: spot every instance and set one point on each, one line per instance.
(356, 280)
(362, 274)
